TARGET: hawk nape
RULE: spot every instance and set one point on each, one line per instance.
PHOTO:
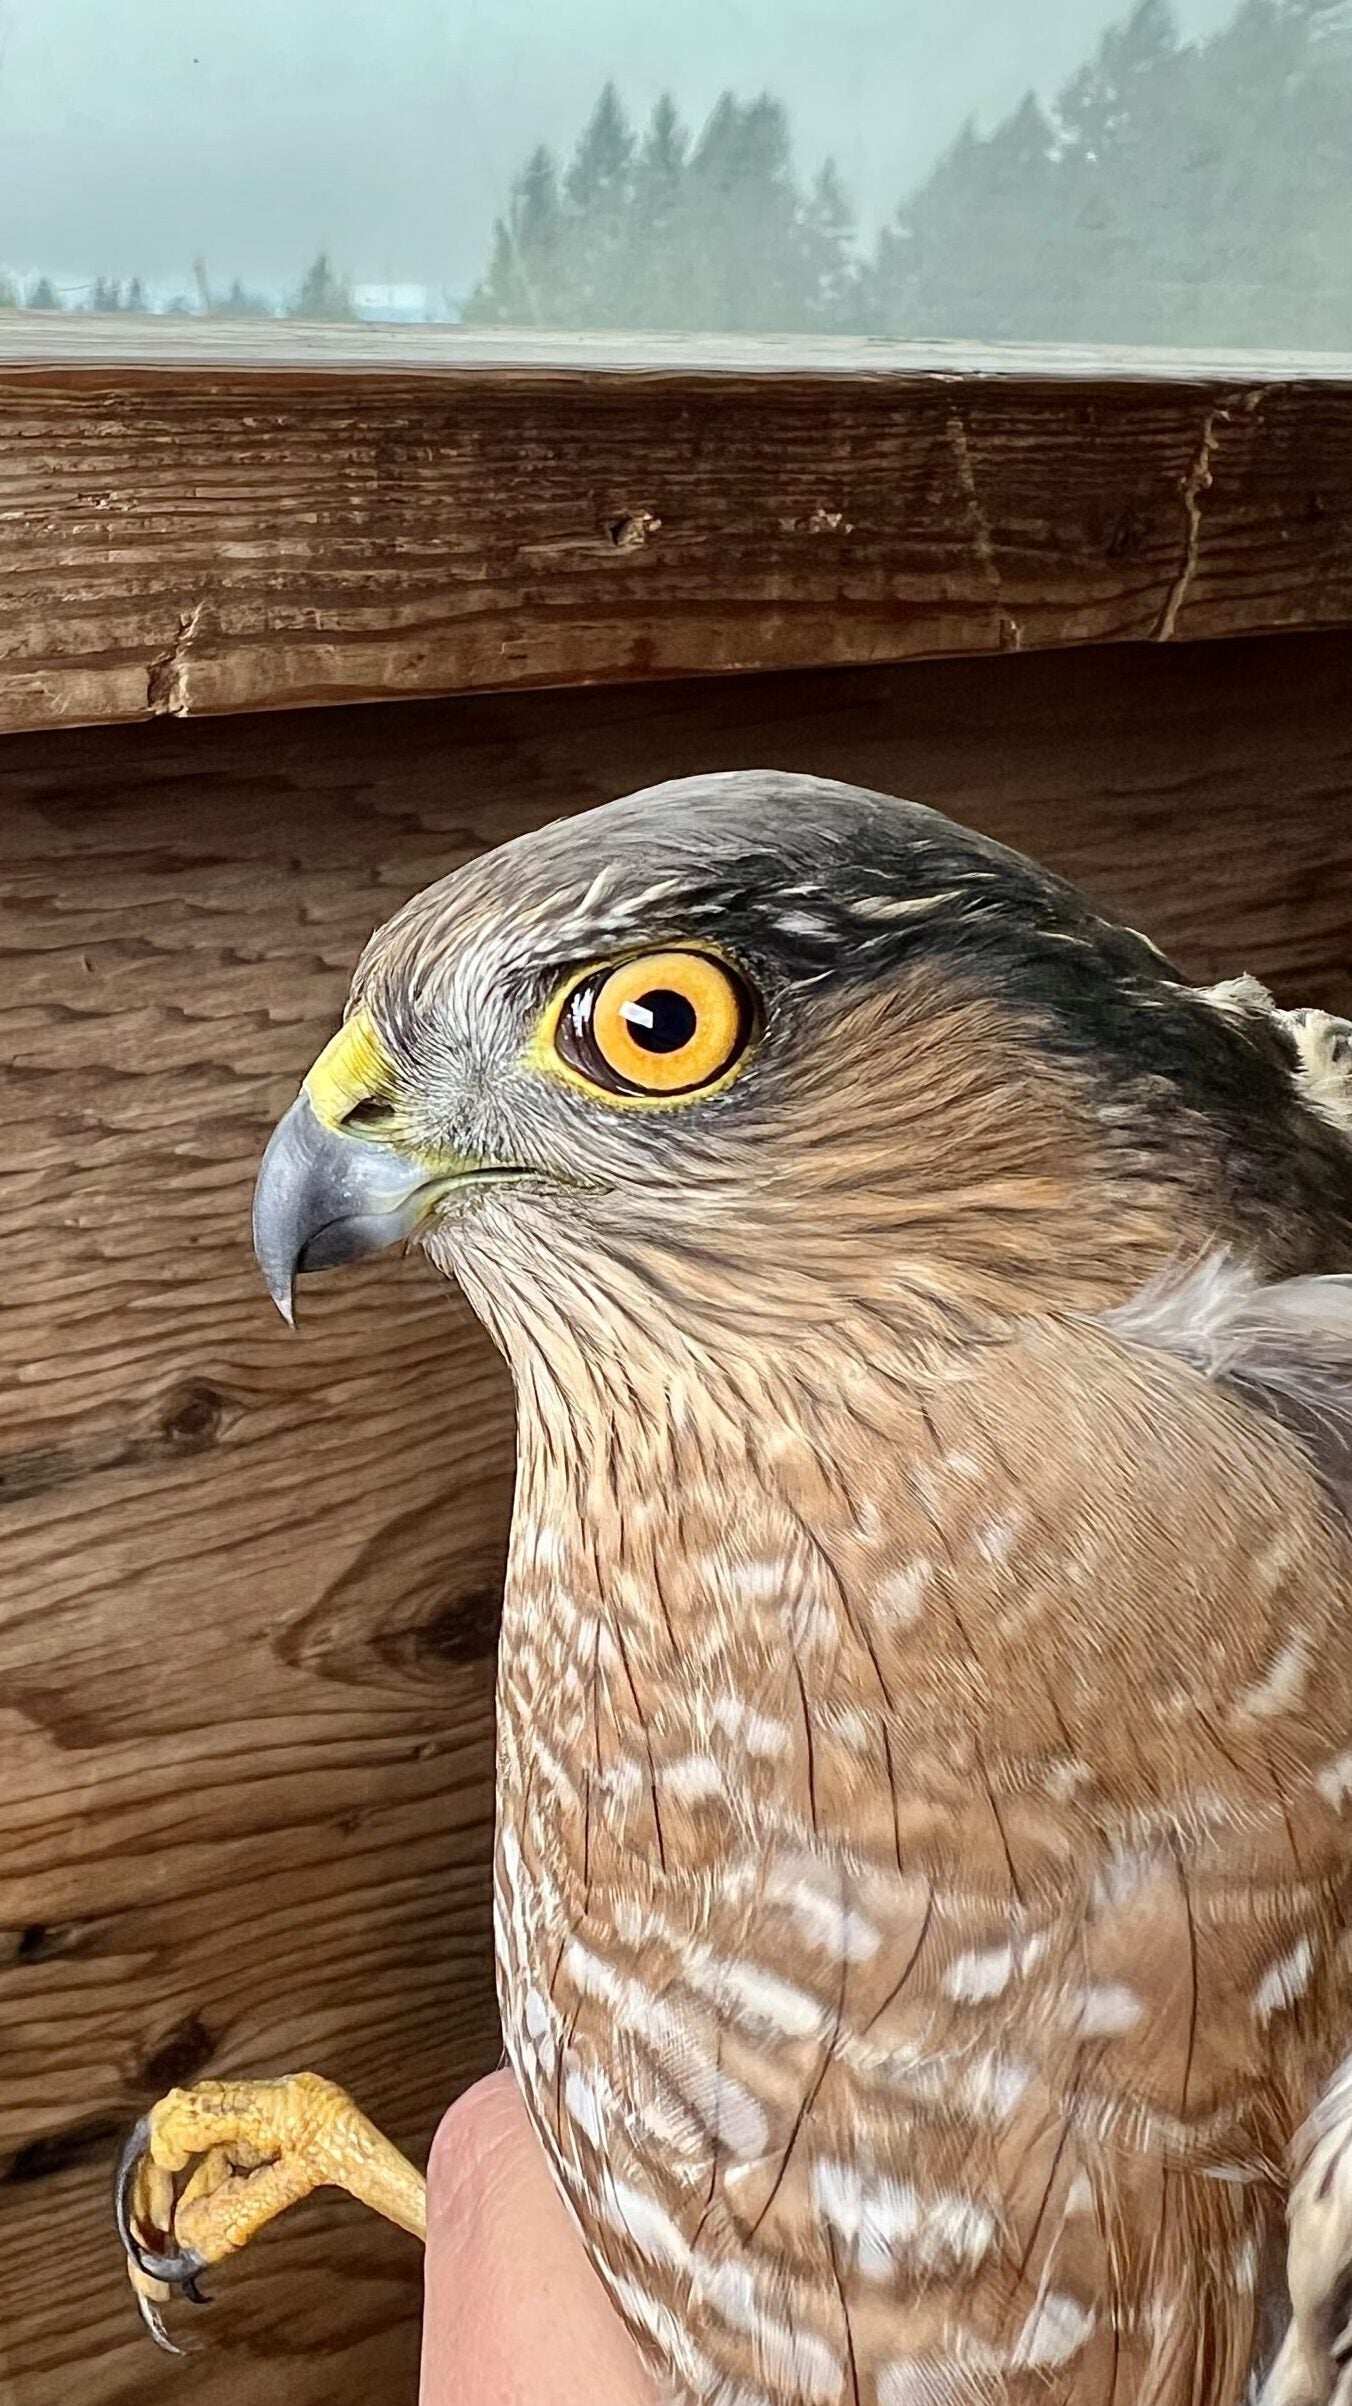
(925, 1749)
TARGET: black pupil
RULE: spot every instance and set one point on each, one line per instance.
(661, 1021)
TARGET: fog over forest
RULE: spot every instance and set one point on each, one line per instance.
(1186, 180)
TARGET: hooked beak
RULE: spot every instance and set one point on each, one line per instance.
(327, 1193)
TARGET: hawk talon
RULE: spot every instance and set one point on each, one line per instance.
(151, 2316)
(208, 2167)
(178, 2271)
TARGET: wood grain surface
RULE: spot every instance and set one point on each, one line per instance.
(249, 1581)
(221, 526)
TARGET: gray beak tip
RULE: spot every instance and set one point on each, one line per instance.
(325, 1197)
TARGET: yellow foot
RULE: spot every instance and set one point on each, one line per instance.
(1314, 2364)
(208, 2166)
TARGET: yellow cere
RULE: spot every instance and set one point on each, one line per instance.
(353, 1068)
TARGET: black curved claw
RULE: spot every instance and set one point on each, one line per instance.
(179, 2271)
(154, 2323)
(195, 2296)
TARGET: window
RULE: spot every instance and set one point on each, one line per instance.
(1043, 171)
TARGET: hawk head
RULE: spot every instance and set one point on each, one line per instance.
(788, 1058)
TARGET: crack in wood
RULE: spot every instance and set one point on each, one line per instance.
(1195, 484)
(167, 674)
(1010, 633)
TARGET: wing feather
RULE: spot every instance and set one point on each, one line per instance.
(1285, 1346)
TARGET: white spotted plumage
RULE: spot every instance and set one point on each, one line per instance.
(925, 1701)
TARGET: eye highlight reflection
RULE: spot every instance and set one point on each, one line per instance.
(665, 1024)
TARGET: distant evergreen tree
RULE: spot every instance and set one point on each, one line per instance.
(240, 302)
(653, 232)
(322, 292)
(1270, 228)
(10, 297)
(833, 277)
(660, 164)
(746, 220)
(598, 229)
(970, 252)
(43, 295)
(521, 285)
(661, 287)
(1171, 193)
(1110, 219)
(1175, 193)
(597, 181)
(136, 295)
(1109, 96)
(106, 296)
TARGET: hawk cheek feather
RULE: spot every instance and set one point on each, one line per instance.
(925, 1703)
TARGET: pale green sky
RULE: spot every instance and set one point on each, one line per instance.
(137, 134)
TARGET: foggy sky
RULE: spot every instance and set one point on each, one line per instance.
(136, 135)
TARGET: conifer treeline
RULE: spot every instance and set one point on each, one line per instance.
(1196, 193)
(658, 231)
(323, 292)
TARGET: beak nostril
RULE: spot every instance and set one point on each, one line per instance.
(371, 1112)
(334, 1189)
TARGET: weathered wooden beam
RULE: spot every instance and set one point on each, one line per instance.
(249, 1580)
(196, 520)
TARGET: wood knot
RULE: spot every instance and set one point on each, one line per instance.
(420, 1602)
(31, 1472)
(62, 2150)
(1127, 536)
(463, 1631)
(45, 1942)
(819, 521)
(192, 1416)
(632, 531)
(179, 2057)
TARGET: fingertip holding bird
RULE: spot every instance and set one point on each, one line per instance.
(514, 2311)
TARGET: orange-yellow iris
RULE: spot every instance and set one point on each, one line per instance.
(665, 1023)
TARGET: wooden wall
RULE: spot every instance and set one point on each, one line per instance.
(249, 1580)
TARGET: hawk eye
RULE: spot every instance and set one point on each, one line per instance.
(665, 1024)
